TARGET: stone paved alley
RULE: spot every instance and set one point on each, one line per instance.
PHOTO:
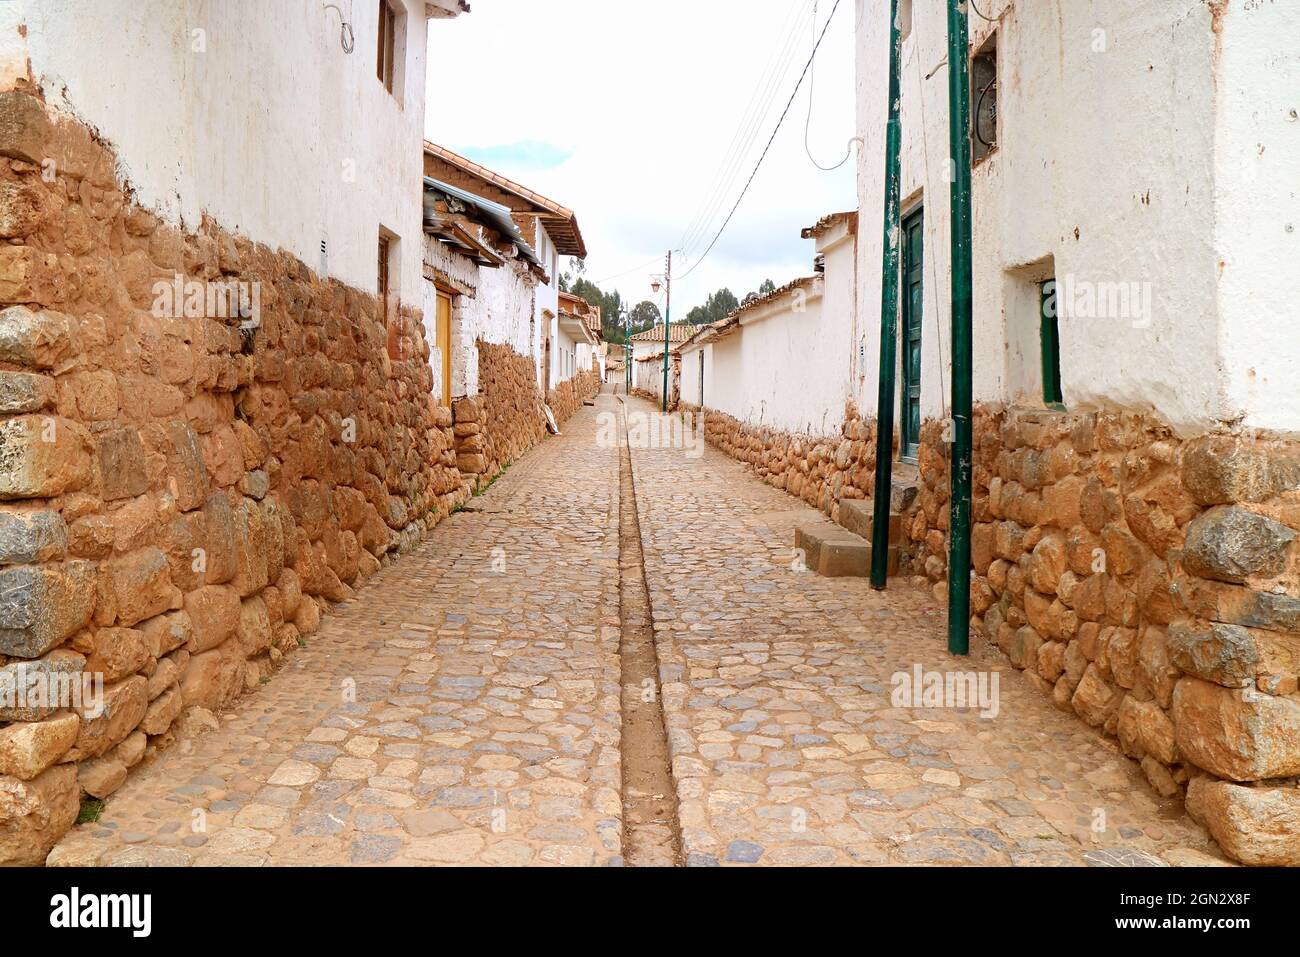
(463, 707)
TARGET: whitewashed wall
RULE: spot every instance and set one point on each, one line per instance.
(255, 116)
(724, 383)
(500, 311)
(547, 306)
(1125, 155)
(565, 355)
(1257, 212)
(649, 375)
(692, 356)
(589, 359)
(790, 364)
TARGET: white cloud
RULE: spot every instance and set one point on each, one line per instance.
(648, 96)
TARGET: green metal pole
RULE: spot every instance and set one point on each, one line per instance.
(668, 313)
(889, 279)
(960, 200)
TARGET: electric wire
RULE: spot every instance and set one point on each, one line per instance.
(768, 147)
(747, 130)
(765, 92)
(620, 275)
(807, 126)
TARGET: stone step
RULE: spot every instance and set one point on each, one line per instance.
(856, 516)
(836, 553)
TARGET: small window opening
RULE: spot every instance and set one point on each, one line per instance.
(386, 286)
(386, 63)
(984, 100)
(1050, 341)
(382, 284)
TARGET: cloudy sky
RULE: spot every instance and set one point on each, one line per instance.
(646, 118)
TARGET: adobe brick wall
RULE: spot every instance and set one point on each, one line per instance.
(1149, 584)
(180, 499)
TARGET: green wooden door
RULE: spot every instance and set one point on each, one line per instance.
(909, 435)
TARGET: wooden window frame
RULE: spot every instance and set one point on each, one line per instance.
(385, 252)
(386, 56)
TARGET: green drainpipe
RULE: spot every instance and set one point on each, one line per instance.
(960, 199)
(889, 281)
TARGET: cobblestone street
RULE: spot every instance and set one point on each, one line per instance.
(464, 706)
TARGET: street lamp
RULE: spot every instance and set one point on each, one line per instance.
(666, 282)
(627, 351)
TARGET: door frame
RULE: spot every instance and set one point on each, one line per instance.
(442, 336)
(910, 327)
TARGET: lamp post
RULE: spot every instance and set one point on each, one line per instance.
(627, 351)
(667, 283)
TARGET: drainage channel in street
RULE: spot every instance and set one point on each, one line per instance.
(651, 836)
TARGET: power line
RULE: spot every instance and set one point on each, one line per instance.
(768, 147)
(747, 130)
(620, 275)
(807, 126)
(759, 104)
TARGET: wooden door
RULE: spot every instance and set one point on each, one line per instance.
(442, 332)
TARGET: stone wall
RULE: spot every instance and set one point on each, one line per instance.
(567, 397)
(181, 497)
(505, 419)
(1150, 585)
(508, 410)
(821, 470)
(1147, 583)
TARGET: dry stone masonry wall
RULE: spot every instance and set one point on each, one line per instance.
(182, 493)
(507, 412)
(567, 397)
(1148, 583)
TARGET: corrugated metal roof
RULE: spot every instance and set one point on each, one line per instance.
(490, 214)
(560, 221)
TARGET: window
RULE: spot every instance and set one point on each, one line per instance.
(984, 100)
(390, 53)
(387, 284)
(382, 284)
(1032, 374)
(388, 44)
(1050, 344)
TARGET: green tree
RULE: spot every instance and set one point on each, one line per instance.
(766, 287)
(644, 315)
(719, 305)
(567, 278)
